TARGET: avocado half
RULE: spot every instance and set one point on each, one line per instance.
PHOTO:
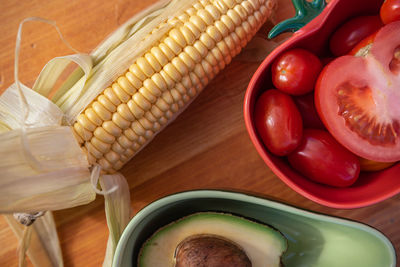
(261, 244)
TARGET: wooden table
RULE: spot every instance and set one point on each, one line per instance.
(207, 146)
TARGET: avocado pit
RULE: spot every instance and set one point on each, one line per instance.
(210, 251)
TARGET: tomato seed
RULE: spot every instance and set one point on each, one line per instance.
(349, 97)
(394, 64)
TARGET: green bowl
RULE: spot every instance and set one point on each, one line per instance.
(313, 239)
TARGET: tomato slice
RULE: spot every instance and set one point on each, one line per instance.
(386, 49)
(358, 98)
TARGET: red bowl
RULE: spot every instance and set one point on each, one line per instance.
(371, 187)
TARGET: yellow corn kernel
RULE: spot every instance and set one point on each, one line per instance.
(120, 121)
(112, 128)
(103, 135)
(122, 95)
(86, 123)
(161, 82)
(125, 84)
(106, 103)
(109, 93)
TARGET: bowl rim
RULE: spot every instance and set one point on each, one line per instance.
(313, 26)
(243, 197)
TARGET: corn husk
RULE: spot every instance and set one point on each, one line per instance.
(26, 189)
(118, 210)
(42, 167)
(44, 247)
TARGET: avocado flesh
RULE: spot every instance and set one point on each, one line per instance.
(262, 244)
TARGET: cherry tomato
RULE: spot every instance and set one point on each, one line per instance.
(390, 11)
(322, 159)
(278, 122)
(358, 98)
(295, 71)
(305, 104)
(352, 32)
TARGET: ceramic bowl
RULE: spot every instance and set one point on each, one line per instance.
(313, 239)
(371, 187)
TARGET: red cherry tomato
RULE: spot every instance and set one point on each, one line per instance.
(352, 32)
(305, 104)
(322, 159)
(278, 122)
(358, 98)
(390, 11)
(295, 71)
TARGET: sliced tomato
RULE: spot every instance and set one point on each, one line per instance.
(358, 98)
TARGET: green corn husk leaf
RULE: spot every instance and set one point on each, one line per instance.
(43, 247)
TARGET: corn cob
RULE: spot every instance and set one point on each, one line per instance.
(163, 81)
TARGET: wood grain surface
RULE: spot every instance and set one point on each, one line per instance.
(207, 146)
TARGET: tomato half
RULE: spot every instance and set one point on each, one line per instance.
(296, 71)
(358, 98)
(278, 122)
(322, 159)
(352, 32)
(390, 11)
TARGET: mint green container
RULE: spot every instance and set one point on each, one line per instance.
(313, 239)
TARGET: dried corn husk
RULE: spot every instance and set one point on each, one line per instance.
(44, 249)
(42, 167)
(118, 210)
